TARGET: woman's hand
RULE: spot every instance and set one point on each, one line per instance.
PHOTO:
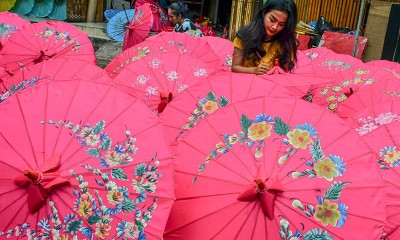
(262, 68)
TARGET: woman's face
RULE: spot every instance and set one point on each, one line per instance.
(274, 22)
(172, 18)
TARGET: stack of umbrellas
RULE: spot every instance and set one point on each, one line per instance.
(167, 142)
(53, 9)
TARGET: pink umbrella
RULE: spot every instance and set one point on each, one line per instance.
(9, 24)
(139, 27)
(206, 97)
(393, 67)
(275, 168)
(379, 127)
(378, 93)
(164, 42)
(78, 162)
(324, 62)
(38, 42)
(344, 84)
(158, 78)
(160, 16)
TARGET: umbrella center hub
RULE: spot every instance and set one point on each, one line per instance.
(34, 176)
(261, 186)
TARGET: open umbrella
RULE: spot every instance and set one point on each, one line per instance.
(139, 27)
(222, 48)
(46, 40)
(116, 26)
(343, 84)
(42, 8)
(379, 127)
(59, 11)
(393, 67)
(324, 62)
(206, 97)
(158, 78)
(10, 23)
(160, 16)
(172, 42)
(368, 96)
(275, 168)
(83, 164)
(23, 7)
(51, 70)
(6, 5)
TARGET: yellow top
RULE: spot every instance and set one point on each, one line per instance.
(272, 50)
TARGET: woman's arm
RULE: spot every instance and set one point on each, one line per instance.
(237, 64)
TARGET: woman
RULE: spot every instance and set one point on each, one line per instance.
(269, 37)
(176, 14)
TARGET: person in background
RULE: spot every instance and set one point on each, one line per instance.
(177, 17)
(269, 38)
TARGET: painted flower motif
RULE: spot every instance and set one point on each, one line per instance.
(48, 33)
(142, 80)
(259, 131)
(172, 75)
(200, 72)
(151, 91)
(331, 98)
(113, 158)
(361, 71)
(102, 230)
(299, 138)
(209, 107)
(342, 97)
(131, 230)
(92, 140)
(385, 118)
(391, 156)
(155, 63)
(327, 213)
(346, 83)
(369, 81)
(324, 91)
(220, 147)
(332, 106)
(326, 168)
(85, 207)
(357, 80)
(182, 87)
(115, 196)
(336, 88)
(233, 139)
(228, 60)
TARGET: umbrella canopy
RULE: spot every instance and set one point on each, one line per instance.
(51, 70)
(324, 62)
(42, 8)
(116, 26)
(160, 16)
(206, 97)
(393, 67)
(6, 5)
(10, 23)
(59, 11)
(46, 40)
(172, 42)
(275, 168)
(139, 27)
(344, 84)
(379, 127)
(23, 7)
(83, 164)
(109, 13)
(223, 48)
(378, 93)
(158, 78)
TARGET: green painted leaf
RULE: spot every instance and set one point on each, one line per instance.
(245, 123)
(106, 145)
(73, 226)
(334, 192)
(223, 101)
(99, 127)
(118, 173)
(211, 96)
(128, 206)
(140, 169)
(280, 127)
(316, 150)
(93, 152)
(317, 234)
(93, 219)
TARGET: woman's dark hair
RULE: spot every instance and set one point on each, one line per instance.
(253, 35)
(179, 8)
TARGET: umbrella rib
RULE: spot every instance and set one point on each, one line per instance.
(15, 150)
(208, 177)
(202, 217)
(205, 196)
(15, 215)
